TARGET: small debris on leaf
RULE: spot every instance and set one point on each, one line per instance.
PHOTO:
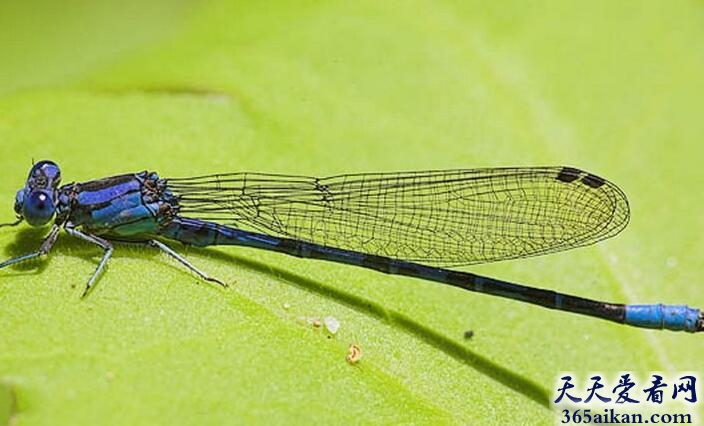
(331, 324)
(354, 354)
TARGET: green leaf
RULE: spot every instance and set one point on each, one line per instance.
(320, 89)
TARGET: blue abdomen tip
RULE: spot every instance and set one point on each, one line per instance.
(669, 317)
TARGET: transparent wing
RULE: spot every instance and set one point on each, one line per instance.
(445, 218)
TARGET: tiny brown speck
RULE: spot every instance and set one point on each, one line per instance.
(354, 354)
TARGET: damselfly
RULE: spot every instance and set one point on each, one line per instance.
(394, 223)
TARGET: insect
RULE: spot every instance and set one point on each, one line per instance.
(416, 224)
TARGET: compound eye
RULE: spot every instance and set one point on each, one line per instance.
(19, 200)
(44, 174)
(38, 208)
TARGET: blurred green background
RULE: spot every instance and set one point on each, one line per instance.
(320, 88)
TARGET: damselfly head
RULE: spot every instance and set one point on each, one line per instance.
(36, 202)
